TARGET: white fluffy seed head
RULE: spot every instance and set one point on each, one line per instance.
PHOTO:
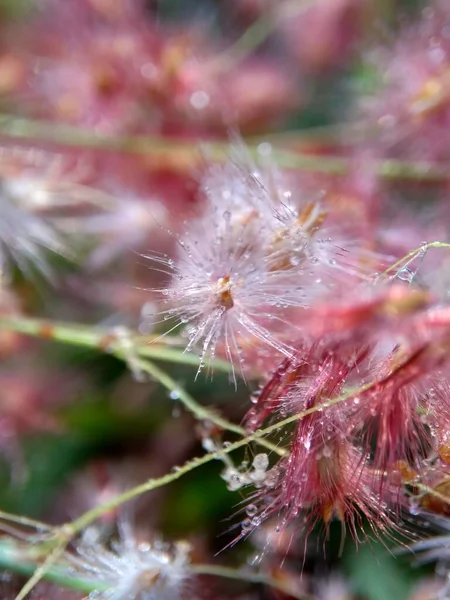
(25, 238)
(131, 570)
(254, 256)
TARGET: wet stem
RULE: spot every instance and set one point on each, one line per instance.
(135, 351)
(64, 534)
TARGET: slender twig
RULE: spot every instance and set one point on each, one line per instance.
(249, 576)
(103, 340)
(25, 521)
(17, 559)
(199, 411)
(68, 531)
(258, 32)
(432, 492)
(42, 569)
(182, 155)
(92, 515)
(405, 260)
(90, 338)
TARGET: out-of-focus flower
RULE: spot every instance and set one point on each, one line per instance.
(413, 106)
(26, 239)
(329, 32)
(125, 73)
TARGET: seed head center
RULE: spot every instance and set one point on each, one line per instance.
(223, 292)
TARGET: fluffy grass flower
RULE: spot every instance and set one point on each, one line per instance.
(25, 239)
(131, 570)
(325, 475)
(255, 256)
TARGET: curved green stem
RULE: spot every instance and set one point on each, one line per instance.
(199, 411)
(90, 338)
(103, 340)
(405, 260)
(92, 515)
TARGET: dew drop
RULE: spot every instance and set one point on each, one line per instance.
(246, 524)
(406, 274)
(264, 149)
(327, 452)
(199, 100)
(414, 507)
(255, 560)
(261, 462)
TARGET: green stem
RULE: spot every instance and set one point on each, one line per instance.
(246, 575)
(90, 337)
(405, 260)
(257, 33)
(432, 492)
(25, 521)
(68, 531)
(92, 515)
(199, 411)
(186, 156)
(15, 559)
(42, 569)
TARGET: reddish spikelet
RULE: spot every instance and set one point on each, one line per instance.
(369, 310)
(401, 411)
(325, 475)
